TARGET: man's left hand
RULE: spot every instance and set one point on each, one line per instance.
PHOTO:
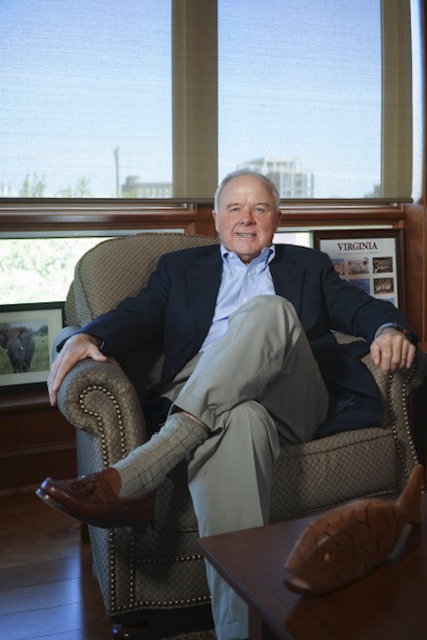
(391, 351)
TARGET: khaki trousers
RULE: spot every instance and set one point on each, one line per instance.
(258, 381)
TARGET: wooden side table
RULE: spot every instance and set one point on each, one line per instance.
(388, 604)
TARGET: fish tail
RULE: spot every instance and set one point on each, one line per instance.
(409, 502)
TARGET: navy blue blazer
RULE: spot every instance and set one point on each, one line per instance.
(178, 304)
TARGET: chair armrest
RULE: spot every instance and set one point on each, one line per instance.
(395, 390)
(98, 397)
(403, 381)
(396, 387)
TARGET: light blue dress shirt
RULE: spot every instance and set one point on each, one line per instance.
(239, 284)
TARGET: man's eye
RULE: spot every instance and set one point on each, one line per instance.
(259, 210)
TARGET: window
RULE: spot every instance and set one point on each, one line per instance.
(300, 83)
(149, 99)
(86, 98)
(305, 97)
(39, 269)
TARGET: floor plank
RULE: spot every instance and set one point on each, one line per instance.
(47, 590)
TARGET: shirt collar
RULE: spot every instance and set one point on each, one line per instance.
(264, 259)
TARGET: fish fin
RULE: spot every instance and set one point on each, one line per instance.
(295, 583)
(409, 503)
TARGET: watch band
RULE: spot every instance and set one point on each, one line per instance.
(393, 325)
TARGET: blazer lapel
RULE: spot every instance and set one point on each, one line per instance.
(203, 283)
(288, 277)
(204, 280)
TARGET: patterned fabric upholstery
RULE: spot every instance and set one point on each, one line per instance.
(163, 569)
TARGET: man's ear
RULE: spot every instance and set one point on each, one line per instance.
(215, 217)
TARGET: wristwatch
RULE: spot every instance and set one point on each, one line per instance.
(393, 325)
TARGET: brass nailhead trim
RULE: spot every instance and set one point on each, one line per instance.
(171, 560)
(112, 573)
(405, 395)
(106, 462)
(132, 554)
(100, 425)
(404, 400)
(153, 604)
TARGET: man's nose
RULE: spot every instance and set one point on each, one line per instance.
(247, 216)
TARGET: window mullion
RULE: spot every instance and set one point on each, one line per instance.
(396, 156)
(195, 97)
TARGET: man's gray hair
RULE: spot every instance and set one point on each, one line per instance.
(247, 172)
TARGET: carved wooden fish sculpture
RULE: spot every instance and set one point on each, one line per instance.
(345, 543)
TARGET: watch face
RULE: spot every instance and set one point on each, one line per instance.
(394, 325)
(405, 332)
(401, 329)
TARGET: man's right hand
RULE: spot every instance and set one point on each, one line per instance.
(78, 347)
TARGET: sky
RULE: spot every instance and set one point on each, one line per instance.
(322, 103)
(75, 84)
(81, 78)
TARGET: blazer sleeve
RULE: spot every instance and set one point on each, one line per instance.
(351, 310)
(135, 320)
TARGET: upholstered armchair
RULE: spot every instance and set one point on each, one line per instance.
(154, 585)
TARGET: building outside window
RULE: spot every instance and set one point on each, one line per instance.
(152, 100)
(98, 97)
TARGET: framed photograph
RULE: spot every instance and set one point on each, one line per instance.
(371, 260)
(27, 332)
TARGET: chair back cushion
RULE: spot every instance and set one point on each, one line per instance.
(117, 268)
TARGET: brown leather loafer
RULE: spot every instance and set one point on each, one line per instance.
(91, 499)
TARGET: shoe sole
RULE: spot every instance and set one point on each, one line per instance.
(51, 502)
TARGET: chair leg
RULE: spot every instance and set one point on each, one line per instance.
(125, 632)
(84, 533)
(154, 624)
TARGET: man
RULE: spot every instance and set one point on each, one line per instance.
(250, 361)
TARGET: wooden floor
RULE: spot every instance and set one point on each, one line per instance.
(47, 590)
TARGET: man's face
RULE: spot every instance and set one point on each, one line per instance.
(247, 218)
